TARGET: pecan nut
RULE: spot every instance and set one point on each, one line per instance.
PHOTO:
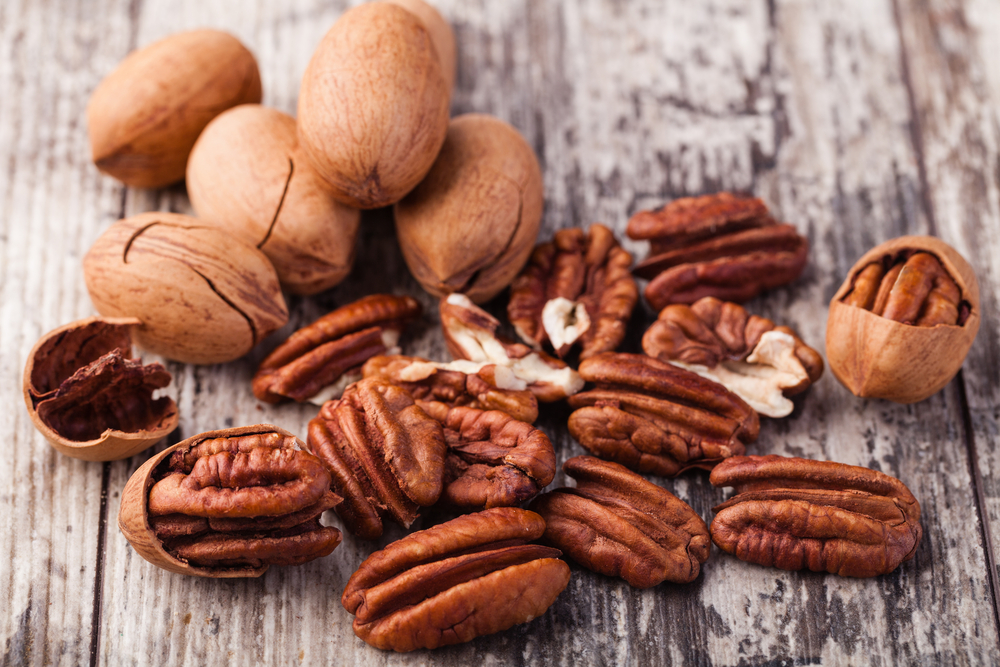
(471, 576)
(491, 387)
(654, 417)
(759, 362)
(229, 504)
(385, 455)
(575, 288)
(796, 514)
(617, 523)
(722, 245)
(328, 354)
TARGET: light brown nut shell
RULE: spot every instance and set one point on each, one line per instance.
(145, 116)
(442, 35)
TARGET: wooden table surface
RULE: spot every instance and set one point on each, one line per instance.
(856, 120)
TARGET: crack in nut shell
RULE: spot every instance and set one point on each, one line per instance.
(617, 523)
(317, 355)
(654, 417)
(468, 577)
(385, 455)
(229, 503)
(589, 270)
(795, 514)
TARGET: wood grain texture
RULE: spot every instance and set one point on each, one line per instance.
(856, 120)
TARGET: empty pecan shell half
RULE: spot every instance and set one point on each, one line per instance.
(491, 387)
(575, 288)
(471, 576)
(617, 523)
(89, 398)
(721, 245)
(654, 417)
(229, 504)
(328, 354)
(796, 514)
(385, 455)
(758, 361)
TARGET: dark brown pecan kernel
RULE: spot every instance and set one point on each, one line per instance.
(617, 523)
(315, 357)
(654, 417)
(385, 455)
(721, 341)
(575, 288)
(720, 245)
(796, 514)
(471, 576)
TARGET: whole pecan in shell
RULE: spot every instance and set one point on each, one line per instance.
(654, 417)
(333, 347)
(385, 455)
(758, 361)
(471, 576)
(617, 523)
(575, 288)
(229, 504)
(795, 514)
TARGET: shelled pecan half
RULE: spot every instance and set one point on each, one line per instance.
(470, 333)
(722, 245)
(492, 387)
(471, 576)
(758, 361)
(654, 417)
(617, 523)
(796, 514)
(385, 455)
(229, 504)
(575, 288)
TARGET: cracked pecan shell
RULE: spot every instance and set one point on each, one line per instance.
(471, 576)
(654, 417)
(575, 288)
(230, 503)
(722, 245)
(385, 455)
(328, 354)
(796, 514)
(617, 523)
(758, 361)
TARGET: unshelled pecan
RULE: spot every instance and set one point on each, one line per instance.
(229, 504)
(575, 288)
(618, 523)
(471, 576)
(328, 354)
(795, 514)
(722, 245)
(758, 361)
(384, 453)
(652, 416)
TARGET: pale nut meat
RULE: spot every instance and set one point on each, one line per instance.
(247, 175)
(89, 397)
(373, 107)
(442, 36)
(203, 296)
(761, 363)
(471, 224)
(145, 116)
(903, 321)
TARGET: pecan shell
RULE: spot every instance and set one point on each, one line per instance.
(654, 417)
(385, 455)
(796, 514)
(617, 523)
(576, 288)
(334, 346)
(471, 576)
(760, 362)
(229, 504)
